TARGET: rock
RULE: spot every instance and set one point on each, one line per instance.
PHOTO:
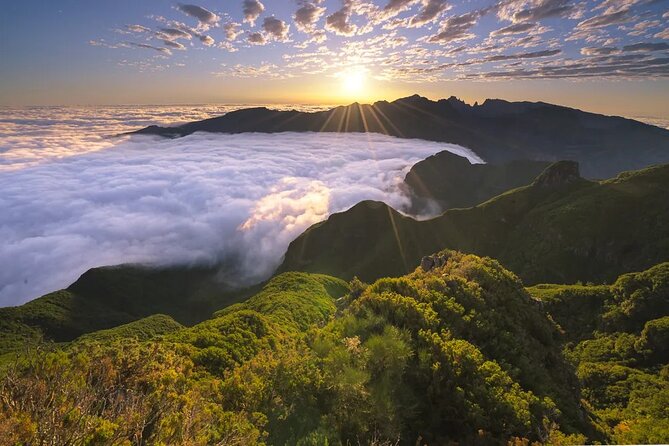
(433, 261)
(426, 263)
(558, 173)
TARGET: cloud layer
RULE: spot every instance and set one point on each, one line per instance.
(202, 198)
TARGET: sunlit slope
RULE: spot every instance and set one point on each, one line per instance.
(559, 229)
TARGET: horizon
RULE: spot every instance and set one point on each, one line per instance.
(661, 120)
(607, 56)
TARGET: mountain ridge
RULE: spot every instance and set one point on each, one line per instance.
(497, 130)
(560, 232)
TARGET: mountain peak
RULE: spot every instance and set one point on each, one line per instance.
(558, 174)
(413, 99)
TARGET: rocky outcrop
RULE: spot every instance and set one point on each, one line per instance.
(428, 263)
(558, 174)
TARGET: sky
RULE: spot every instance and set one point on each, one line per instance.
(606, 56)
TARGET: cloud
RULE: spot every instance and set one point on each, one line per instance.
(174, 44)
(232, 31)
(252, 10)
(516, 28)
(392, 9)
(173, 33)
(647, 47)
(628, 66)
(602, 51)
(604, 20)
(457, 28)
(204, 16)
(530, 55)
(611, 6)
(206, 40)
(430, 11)
(534, 10)
(339, 22)
(307, 16)
(257, 38)
(663, 34)
(264, 70)
(276, 29)
(150, 47)
(642, 27)
(181, 30)
(137, 29)
(204, 198)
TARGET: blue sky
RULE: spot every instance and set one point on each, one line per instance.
(603, 55)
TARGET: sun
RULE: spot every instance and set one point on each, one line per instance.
(353, 82)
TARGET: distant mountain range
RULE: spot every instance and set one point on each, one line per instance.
(497, 130)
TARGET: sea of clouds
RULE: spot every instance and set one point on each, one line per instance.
(201, 198)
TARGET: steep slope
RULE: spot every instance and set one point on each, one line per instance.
(559, 229)
(497, 130)
(451, 181)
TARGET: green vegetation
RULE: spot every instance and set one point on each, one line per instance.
(556, 233)
(622, 358)
(461, 352)
(141, 330)
(104, 298)
(456, 351)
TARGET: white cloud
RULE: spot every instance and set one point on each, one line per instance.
(252, 9)
(276, 29)
(202, 198)
(307, 15)
(257, 38)
(232, 31)
(204, 16)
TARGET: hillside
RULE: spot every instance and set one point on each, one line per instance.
(457, 350)
(306, 361)
(498, 131)
(106, 297)
(560, 229)
(618, 338)
(142, 330)
(446, 180)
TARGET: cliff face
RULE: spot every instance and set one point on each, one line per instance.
(498, 131)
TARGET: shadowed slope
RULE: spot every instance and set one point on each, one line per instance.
(451, 181)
